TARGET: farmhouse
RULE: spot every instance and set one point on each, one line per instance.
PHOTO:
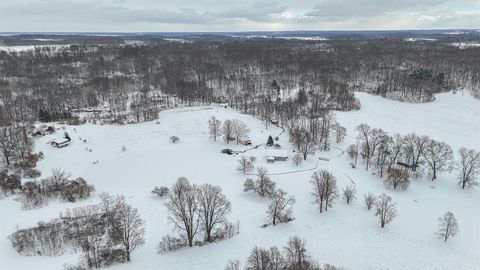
(60, 144)
(277, 154)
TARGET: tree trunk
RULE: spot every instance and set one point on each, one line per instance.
(127, 251)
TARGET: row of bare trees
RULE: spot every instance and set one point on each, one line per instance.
(325, 191)
(106, 233)
(37, 193)
(246, 72)
(279, 210)
(293, 256)
(315, 131)
(16, 145)
(399, 157)
(197, 209)
(232, 130)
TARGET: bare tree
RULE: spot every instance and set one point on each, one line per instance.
(468, 166)
(340, 132)
(296, 253)
(293, 257)
(438, 156)
(448, 226)
(125, 222)
(259, 259)
(385, 209)
(183, 208)
(249, 185)
(395, 150)
(303, 140)
(280, 207)
(418, 145)
(162, 191)
(352, 152)
(240, 130)
(8, 143)
(58, 179)
(349, 193)
(213, 208)
(174, 139)
(364, 131)
(324, 189)
(369, 200)
(264, 186)
(397, 178)
(277, 259)
(377, 139)
(297, 159)
(233, 265)
(227, 130)
(214, 127)
(246, 164)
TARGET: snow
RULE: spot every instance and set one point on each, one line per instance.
(45, 39)
(465, 45)
(310, 38)
(134, 42)
(178, 40)
(452, 118)
(420, 39)
(347, 235)
(315, 38)
(23, 48)
(277, 153)
(456, 33)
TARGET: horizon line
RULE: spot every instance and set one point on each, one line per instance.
(242, 31)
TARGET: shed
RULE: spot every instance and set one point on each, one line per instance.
(246, 142)
(60, 144)
(278, 154)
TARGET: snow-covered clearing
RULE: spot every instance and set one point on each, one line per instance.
(420, 39)
(313, 38)
(347, 235)
(24, 48)
(465, 45)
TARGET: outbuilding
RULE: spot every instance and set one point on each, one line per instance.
(245, 142)
(277, 154)
(60, 144)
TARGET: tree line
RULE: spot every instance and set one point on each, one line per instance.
(397, 158)
(262, 77)
(106, 233)
(195, 210)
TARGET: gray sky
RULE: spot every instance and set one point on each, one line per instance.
(234, 15)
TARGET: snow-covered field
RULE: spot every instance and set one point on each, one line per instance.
(347, 235)
(420, 39)
(24, 48)
(314, 38)
(465, 45)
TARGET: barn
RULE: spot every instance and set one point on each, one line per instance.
(60, 144)
(277, 155)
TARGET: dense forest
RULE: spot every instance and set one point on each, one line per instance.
(287, 82)
(48, 83)
(293, 84)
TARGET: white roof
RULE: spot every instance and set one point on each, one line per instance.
(277, 153)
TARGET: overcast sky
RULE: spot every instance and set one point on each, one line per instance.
(234, 15)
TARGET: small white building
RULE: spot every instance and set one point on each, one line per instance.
(277, 154)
